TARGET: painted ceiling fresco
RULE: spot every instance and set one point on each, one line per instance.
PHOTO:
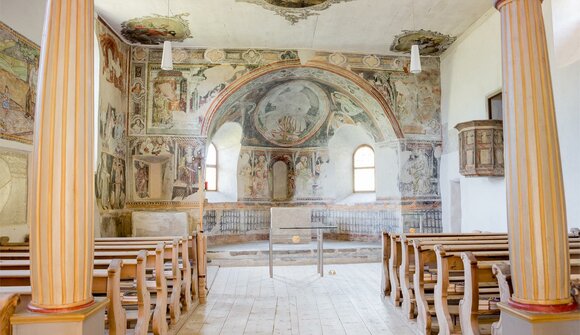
(357, 26)
(430, 43)
(295, 3)
(153, 30)
(295, 10)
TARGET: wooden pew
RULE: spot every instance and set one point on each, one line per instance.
(103, 245)
(133, 269)
(449, 258)
(8, 303)
(120, 249)
(392, 258)
(424, 289)
(17, 283)
(479, 272)
(407, 267)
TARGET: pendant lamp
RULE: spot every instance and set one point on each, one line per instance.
(415, 59)
(167, 57)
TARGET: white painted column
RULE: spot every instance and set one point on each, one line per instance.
(539, 254)
(61, 200)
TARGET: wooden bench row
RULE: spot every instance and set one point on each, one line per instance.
(434, 275)
(149, 281)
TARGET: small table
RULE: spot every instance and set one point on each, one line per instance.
(319, 239)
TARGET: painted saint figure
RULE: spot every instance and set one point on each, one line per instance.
(142, 180)
(119, 182)
(260, 181)
(188, 169)
(104, 183)
(303, 176)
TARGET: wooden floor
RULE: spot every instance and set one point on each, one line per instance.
(297, 301)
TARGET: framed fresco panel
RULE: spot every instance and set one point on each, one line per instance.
(18, 79)
(177, 100)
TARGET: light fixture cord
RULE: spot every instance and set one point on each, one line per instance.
(412, 14)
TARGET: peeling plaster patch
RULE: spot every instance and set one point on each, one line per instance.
(153, 30)
(295, 10)
(431, 43)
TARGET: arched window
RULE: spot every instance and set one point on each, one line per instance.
(364, 169)
(211, 162)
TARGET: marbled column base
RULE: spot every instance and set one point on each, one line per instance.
(89, 321)
(516, 321)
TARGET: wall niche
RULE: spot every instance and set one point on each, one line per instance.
(481, 148)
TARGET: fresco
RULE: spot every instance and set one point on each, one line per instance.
(18, 81)
(291, 113)
(295, 3)
(307, 173)
(419, 171)
(254, 175)
(179, 99)
(167, 109)
(430, 43)
(110, 182)
(295, 10)
(415, 101)
(298, 113)
(153, 30)
(112, 131)
(114, 60)
(165, 168)
(311, 175)
(13, 193)
(350, 95)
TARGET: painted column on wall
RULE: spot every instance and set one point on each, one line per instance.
(535, 194)
(61, 203)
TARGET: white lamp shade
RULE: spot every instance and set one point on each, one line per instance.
(306, 55)
(167, 57)
(415, 59)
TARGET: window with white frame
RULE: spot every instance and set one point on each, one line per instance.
(211, 162)
(364, 169)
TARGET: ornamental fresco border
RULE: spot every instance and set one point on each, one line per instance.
(395, 63)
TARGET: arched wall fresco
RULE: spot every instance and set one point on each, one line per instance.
(359, 91)
(289, 112)
(171, 116)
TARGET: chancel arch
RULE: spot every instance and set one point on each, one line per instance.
(291, 113)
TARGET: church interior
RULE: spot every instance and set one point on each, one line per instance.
(289, 167)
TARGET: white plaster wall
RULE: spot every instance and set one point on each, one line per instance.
(470, 72)
(341, 148)
(26, 17)
(227, 141)
(387, 171)
(564, 24)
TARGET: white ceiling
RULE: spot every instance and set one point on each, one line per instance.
(365, 26)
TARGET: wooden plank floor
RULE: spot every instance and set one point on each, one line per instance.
(297, 301)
